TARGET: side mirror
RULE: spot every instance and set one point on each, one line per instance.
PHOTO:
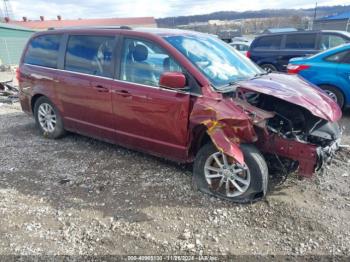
(176, 80)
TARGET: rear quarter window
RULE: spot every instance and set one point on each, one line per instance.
(300, 41)
(268, 42)
(331, 40)
(43, 51)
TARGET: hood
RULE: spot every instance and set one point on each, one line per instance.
(294, 89)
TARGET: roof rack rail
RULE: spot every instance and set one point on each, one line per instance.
(92, 27)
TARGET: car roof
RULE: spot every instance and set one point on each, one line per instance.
(240, 43)
(163, 32)
(308, 32)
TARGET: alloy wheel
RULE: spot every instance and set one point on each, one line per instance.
(226, 176)
(47, 117)
(332, 95)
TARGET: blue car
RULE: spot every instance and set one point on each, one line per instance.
(330, 70)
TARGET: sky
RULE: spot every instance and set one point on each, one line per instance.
(72, 9)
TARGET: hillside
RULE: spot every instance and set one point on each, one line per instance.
(266, 13)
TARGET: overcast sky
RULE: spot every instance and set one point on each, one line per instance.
(71, 9)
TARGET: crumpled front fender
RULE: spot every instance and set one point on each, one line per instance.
(227, 125)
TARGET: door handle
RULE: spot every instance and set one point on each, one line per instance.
(101, 89)
(124, 93)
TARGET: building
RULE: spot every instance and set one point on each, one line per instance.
(43, 24)
(12, 41)
(335, 22)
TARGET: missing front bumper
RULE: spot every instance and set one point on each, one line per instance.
(310, 157)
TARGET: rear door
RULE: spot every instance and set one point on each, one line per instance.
(84, 85)
(39, 69)
(266, 50)
(297, 45)
(148, 117)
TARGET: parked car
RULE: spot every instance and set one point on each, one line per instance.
(273, 51)
(183, 96)
(330, 70)
(241, 46)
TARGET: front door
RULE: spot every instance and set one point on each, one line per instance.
(148, 117)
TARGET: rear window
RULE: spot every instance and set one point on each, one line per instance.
(43, 51)
(90, 55)
(268, 42)
(341, 57)
(300, 41)
(331, 40)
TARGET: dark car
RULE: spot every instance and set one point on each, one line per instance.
(273, 51)
(180, 95)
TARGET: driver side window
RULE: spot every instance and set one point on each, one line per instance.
(143, 62)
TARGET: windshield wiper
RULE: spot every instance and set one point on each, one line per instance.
(257, 75)
(229, 87)
(261, 74)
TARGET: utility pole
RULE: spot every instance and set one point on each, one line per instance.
(315, 12)
(7, 11)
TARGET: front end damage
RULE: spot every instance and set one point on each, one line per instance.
(294, 139)
(291, 137)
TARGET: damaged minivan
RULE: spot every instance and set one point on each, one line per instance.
(180, 95)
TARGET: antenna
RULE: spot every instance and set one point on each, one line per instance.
(7, 10)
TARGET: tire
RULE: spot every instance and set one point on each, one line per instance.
(42, 105)
(269, 68)
(256, 166)
(335, 94)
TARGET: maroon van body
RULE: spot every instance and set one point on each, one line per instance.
(175, 123)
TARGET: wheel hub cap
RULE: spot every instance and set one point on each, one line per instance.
(226, 176)
(47, 117)
(332, 95)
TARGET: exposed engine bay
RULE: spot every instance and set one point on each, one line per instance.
(293, 136)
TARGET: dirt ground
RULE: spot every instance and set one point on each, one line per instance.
(77, 196)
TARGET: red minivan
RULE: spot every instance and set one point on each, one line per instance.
(181, 95)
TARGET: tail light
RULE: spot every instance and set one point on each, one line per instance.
(18, 74)
(248, 54)
(295, 69)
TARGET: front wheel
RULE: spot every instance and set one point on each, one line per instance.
(219, 175)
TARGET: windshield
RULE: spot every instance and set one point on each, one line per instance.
(219, 62)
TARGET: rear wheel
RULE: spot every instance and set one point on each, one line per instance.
(48, 119)
(217, 174)
(269, 67)
(334, 93)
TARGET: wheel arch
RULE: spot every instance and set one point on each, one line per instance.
(33, 101)
(346, 95)
(200, 137)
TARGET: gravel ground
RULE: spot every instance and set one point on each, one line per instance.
(78, 195)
